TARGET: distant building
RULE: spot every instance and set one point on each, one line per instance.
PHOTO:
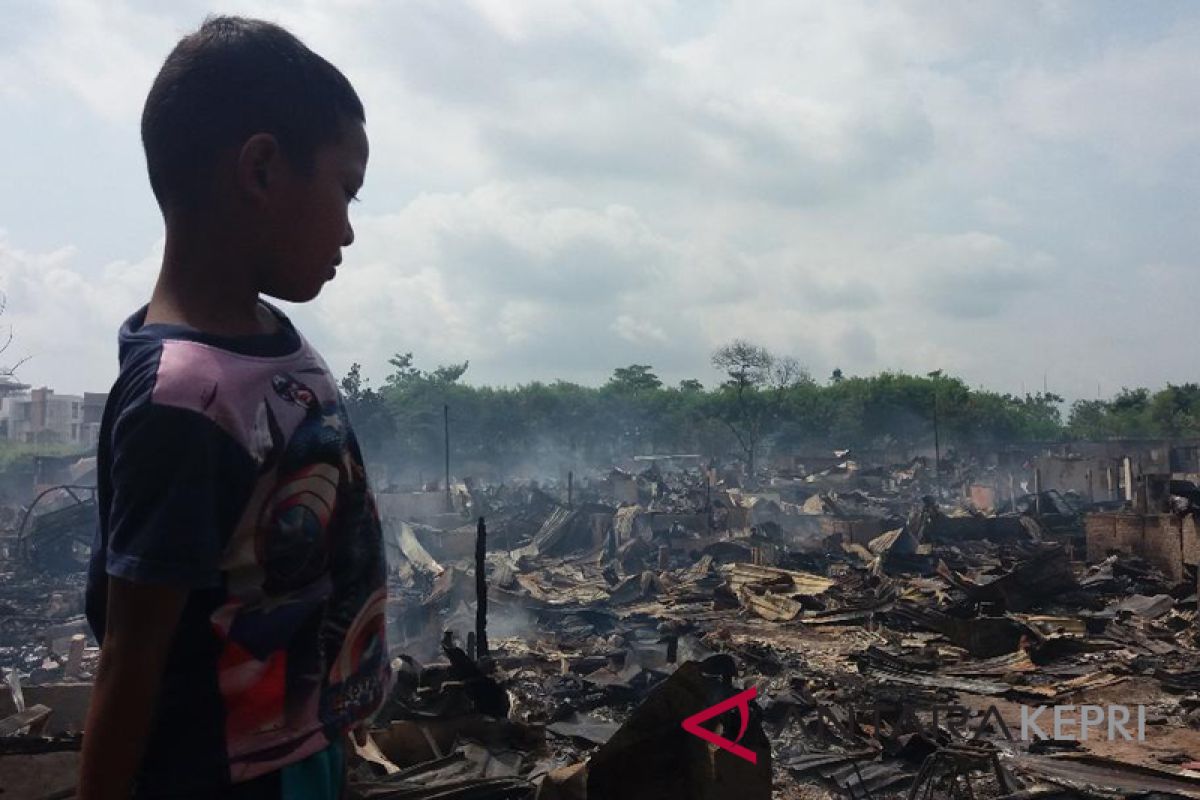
(10, 385)
(40, 416)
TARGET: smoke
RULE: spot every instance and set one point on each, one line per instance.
(418, 633)
(509, 621)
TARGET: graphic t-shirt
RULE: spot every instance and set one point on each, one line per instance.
(227, 466)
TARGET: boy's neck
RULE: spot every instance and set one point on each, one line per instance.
(208, 290)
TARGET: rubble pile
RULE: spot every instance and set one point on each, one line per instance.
(895, 635)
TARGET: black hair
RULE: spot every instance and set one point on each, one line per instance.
(231, 79)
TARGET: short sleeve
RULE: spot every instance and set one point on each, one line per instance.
(179, 484)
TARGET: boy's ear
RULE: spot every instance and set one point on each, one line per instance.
(258, 164)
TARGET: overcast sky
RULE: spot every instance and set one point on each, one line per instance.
(1005, 190)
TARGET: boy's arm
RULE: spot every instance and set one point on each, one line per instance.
(140, 626)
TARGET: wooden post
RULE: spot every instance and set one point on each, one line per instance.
(710, 481)
(937, 447)
(481, 642)
(1037, 490)
(1145, 488)
(75, 655)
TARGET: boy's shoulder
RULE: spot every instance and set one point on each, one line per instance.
(222, 379)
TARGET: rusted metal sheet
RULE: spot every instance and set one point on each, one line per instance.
(1088, 773)
(1096, 680)
(934, 681)
(1071, 626)
(773, 607)
(804, 583)
(1000, 665)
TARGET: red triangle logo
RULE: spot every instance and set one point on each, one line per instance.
(740, 701)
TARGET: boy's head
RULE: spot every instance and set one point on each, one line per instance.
(247, 127)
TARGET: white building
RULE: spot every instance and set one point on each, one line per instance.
(43, 417)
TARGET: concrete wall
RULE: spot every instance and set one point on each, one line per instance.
(1086, 477)
(855, 530)
(1162, 539)
(68, 701)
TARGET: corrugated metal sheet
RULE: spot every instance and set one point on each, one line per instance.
(804, 583)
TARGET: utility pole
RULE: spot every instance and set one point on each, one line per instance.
(937, 447)
(935, 376)
(446, 417)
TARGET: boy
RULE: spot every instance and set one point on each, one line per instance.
(237, 585)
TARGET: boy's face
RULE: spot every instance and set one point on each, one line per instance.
(309, 220)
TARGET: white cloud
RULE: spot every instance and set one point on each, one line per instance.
(637, 331)
(105, 54)
(559, 188)
(973, 274)
(1136, 104)
(65, 320)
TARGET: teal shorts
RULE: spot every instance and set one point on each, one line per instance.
(321, 776)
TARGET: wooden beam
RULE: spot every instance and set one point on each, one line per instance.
(33, 718)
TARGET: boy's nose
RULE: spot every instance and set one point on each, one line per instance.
(349, 240)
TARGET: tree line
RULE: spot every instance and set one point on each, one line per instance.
(765, 401)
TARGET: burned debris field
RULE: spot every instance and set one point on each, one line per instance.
(599, 400)
(901, 623)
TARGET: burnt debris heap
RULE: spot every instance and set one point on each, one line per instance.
(895, 620)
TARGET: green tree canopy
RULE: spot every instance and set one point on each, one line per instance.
(765, 400)
(634, 378)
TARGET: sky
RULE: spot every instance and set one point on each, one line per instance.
(1006, 191)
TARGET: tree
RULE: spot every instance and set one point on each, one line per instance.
(1175, 410)
(753, 394)
(368, 411)
(746, 364)
(761, 398)
(634, 378)
(8, 374)
(1126, 415)
(415, 399)
(404, 374)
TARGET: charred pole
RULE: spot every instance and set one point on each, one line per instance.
(481, 643)
(936, 376)
(937, 447)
